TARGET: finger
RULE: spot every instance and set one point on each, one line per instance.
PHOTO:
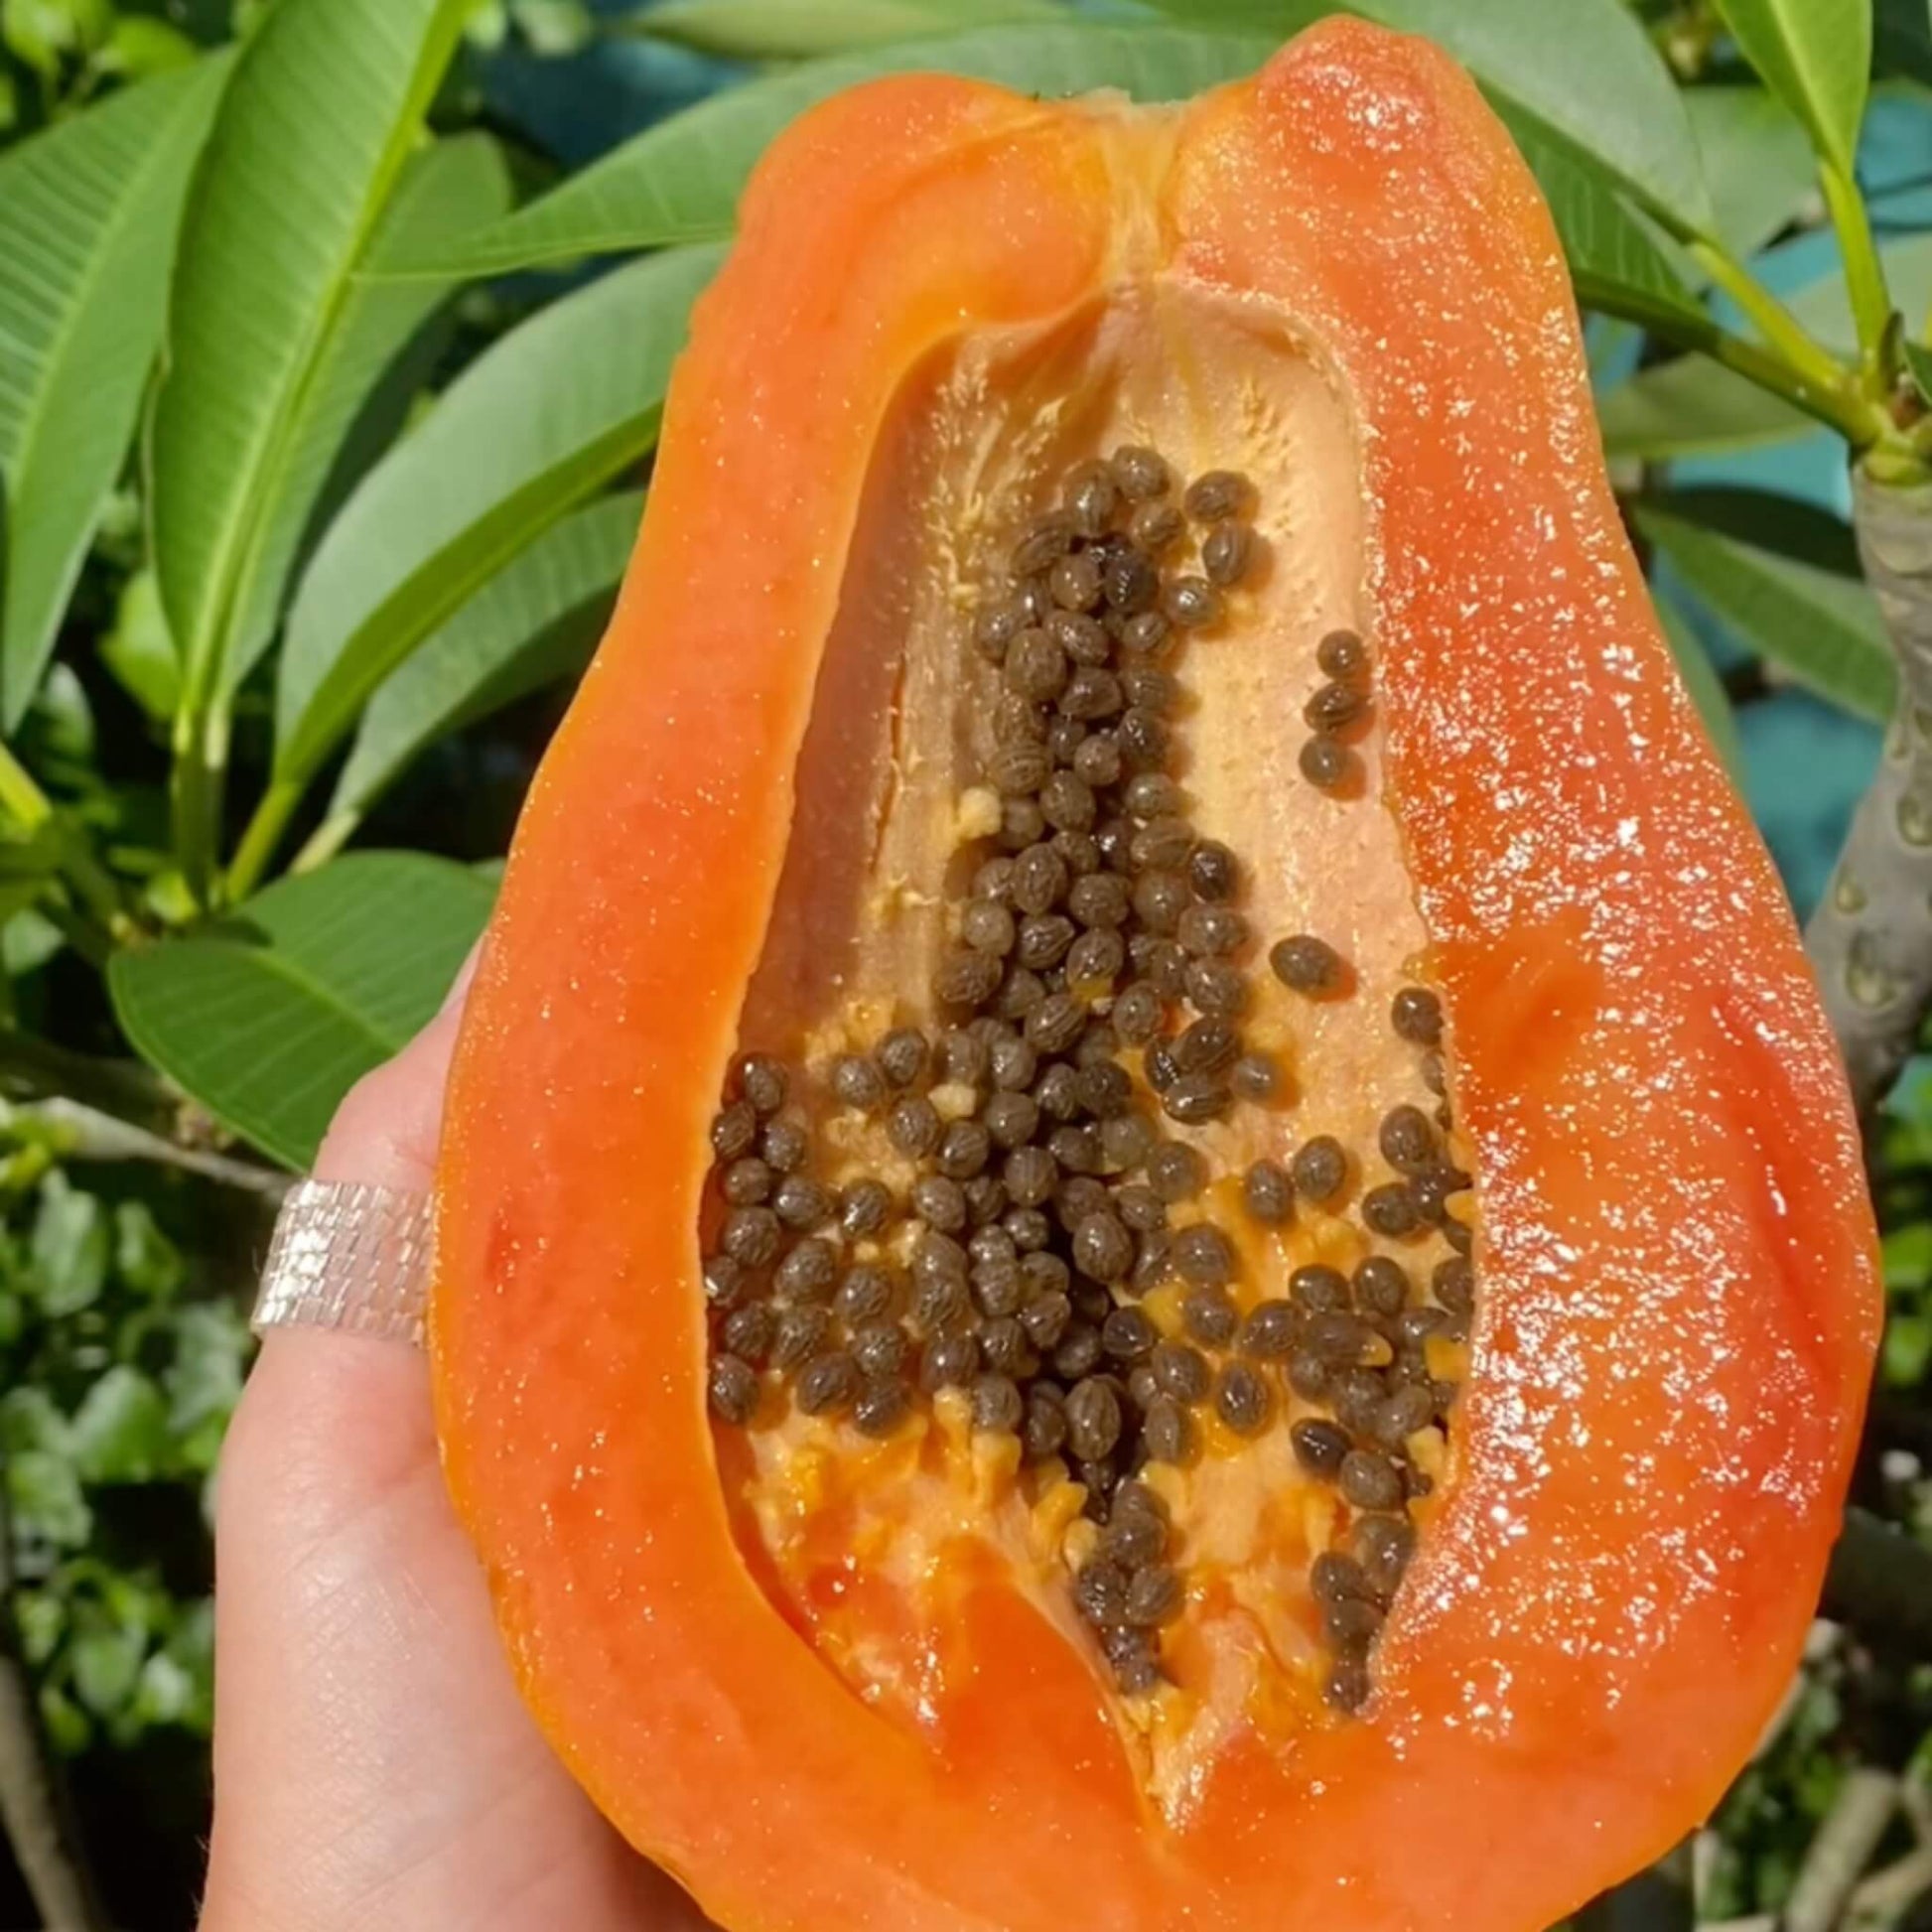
(370, 1746)
(386, 1132)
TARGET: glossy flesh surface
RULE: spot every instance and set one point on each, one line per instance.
(1679, 1294)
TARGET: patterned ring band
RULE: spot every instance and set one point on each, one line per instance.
(348, 1256)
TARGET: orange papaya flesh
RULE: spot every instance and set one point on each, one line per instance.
(839, 1675)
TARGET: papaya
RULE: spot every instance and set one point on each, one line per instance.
(1145, 1218)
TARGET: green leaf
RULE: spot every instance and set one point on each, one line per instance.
(487, 29)
(326, 104)
(120, 1430)
(268, 1017)
(1823, 307)
(139, 650)
(554, 28)
(1704, 689)
(27, 942)
(145, 1260)
(1617, 261)
(1693, 407)
(1592, 78)
(1786, 576)
(44, 1491)
(69, 1247)
(41, 1618)
(681, 180)
(1918, 360)
(1907, 1350)
(139, 47)
(446, 188)
(1902, 39)
(1816, 56)
(29, 1420)
(40, 32)
(203, 1381)
(545, 418)
(88, 219)
(63, 1721)
(793, 30)
(1906, 1256)
(106, 1666)
(190, 1649)
(533, 622)
(166, 1693)
(1756, 162)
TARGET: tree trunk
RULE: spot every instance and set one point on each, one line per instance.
(1870, 938)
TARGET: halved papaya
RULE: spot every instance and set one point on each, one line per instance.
(1146, 1221)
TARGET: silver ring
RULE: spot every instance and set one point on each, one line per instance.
(348, 1256)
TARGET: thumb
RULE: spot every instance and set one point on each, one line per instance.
(332, 1441)
(374, 1764)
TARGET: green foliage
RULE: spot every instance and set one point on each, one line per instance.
(87, 214)
(284, 210)
(1617, 259)
(1816, 56)
(1756, 163)
(1901, 39)
(1787, 577)
(679, 182)
(269, 1015)
(1775, 1807)
(1907, 1358)
(529, 624)
(791, 30)
(1685, 407)
(366, 374)
(551, 413)
(117, 1388)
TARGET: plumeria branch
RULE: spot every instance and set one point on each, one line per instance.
(32, 1807)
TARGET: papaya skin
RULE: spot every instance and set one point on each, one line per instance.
(1680, 1287)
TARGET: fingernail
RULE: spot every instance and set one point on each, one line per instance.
(460, 986)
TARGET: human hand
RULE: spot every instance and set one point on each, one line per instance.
(373, 1766)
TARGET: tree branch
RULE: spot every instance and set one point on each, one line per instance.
(37, 1068)
(33, 1806)
(1879, 1584)
(1881, 1901)
(90, 1135)
(1842, 1850)
(1870, 938)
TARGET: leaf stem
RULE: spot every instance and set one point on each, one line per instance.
(36, 1067)
(20, 796)
(1864, 274)
(263, 835)
(326, 841)
(93, 884)
(87, 936)
(1806, 356)
(89, 1134)
(1831, 394)
(201, 751)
